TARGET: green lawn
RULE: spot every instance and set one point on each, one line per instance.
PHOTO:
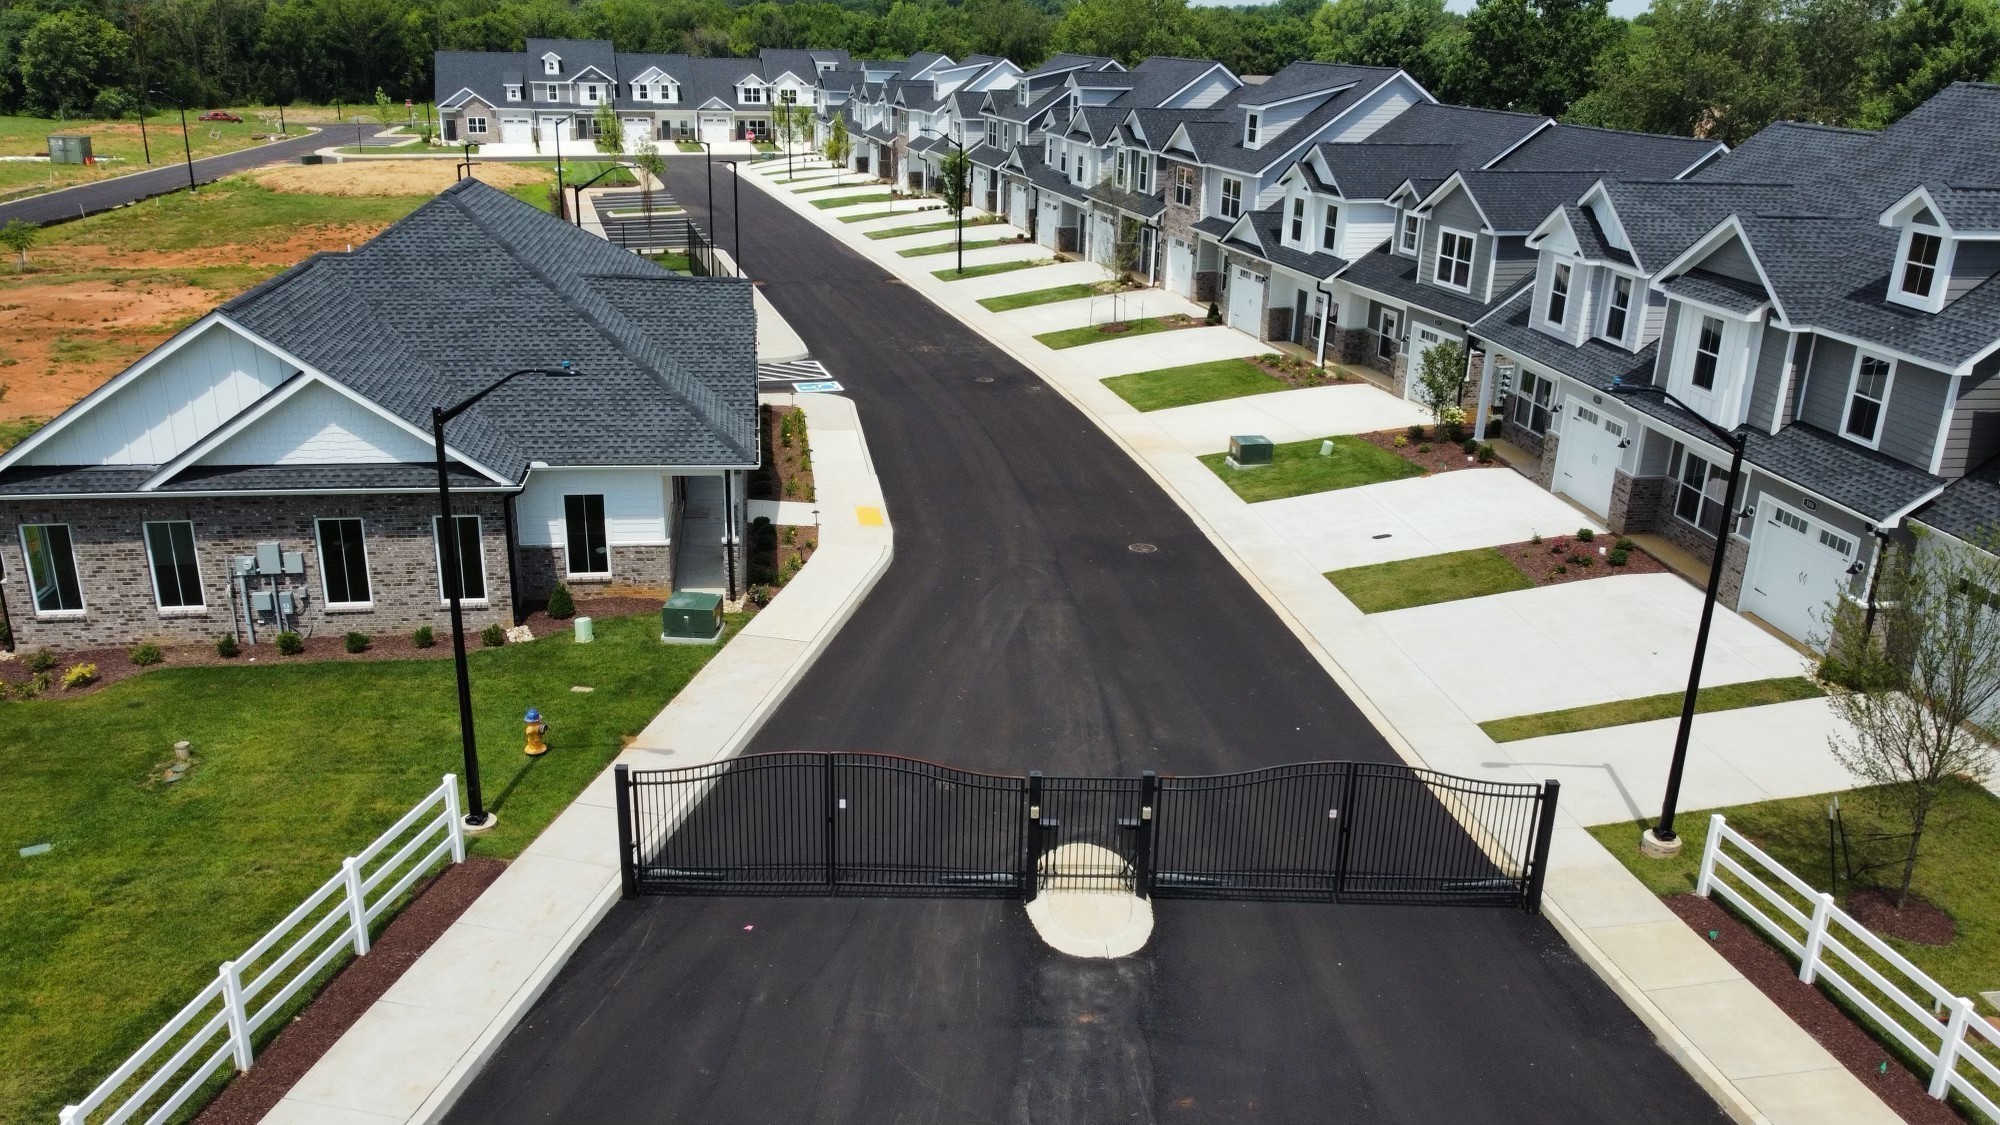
(950, 247)
(927, 228)
(1722, 697)
(148, 888)
(675, 261)
(853, 200)
(873, 215)
(117, 146)
(229, 212)
(1095, 334)
(1380, 587)
(1955, 869)
(1297, 469)
(988, 269)
(1007, 302)
(848, 186)
(1197, 382)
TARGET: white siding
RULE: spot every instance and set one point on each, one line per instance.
(1374, 111)
(635, 506)
(1205, 93)
(1368, 225)
(320, 426)
(167, 409)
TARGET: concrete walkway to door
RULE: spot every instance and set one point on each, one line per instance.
(698, 560)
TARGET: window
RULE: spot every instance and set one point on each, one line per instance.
(1698, 499)
(1920, 267)
(1250, 124)
(1232, 197)
(513, 93)
(1329, 235)
(670, 92)
(343, 562)
(1299, 219)
(1407, 234)
(1184, 186)
(51, 568)
(1062, 157)
(1385, 341)
(176, 574)
(788, 96)
(1707, 353)
(1868, 390)
(551, 65)
(1558, 293)
(1454, 260)
(475, 124)
(1142, 172)
(471, 559)
(590, 92)
(1532, 395)
(992, 134)
(642, 92)
(583, 526)
(1619, 309)
(753, 95)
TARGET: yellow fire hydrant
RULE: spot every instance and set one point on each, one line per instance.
(536, 729)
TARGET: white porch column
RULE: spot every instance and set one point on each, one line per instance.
(1485, 390)
(1325, 308)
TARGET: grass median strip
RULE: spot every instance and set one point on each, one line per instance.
(1721, 697)
(1121, 330)
(852, 200)
(1381, 587)
(1197, 382)
(1297, 469)
(1007, 302)
(927, 228)
(948, 247)
(833, 187)
(873, 215)
(988, 269)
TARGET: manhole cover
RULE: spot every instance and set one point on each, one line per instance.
(982, 379)
(1142, 548)
(1384, 535)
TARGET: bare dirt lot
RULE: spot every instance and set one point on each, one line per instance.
(389, 177)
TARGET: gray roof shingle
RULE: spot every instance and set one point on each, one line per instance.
(1562, 148)
(1718, 291)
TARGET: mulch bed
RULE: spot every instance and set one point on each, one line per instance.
(1295, 372)
(1920, 920)
(1429, 452)
(1553, 561)
(313, 1032)
(115, 664)
(1774, 975)
(1170, 321)
(787, 470)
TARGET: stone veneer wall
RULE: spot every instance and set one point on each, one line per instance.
(634, 569)
(1545, 469)
(1701, 544)
(1636, 502)
(119, 604)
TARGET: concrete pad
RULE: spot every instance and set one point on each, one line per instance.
(289, 1112)
(1101, 309)
(1161, 349)
(1662, 954)
(785, 513)
(1022, 281)
(1282, 416)
(543, 896)
(1100, 924)
(1818, 1097)
(389, 1061)
(582, 834)
(1417, 516)
(1740, 1029)
(470, 970)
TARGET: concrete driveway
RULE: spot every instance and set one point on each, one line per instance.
(1282, 416)
(1406, 519)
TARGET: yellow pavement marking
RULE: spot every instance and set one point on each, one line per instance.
(867, 516)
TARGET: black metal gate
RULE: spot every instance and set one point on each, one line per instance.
(877, 824)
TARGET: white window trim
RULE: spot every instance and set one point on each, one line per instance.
(1941, 273)
(368, 565)
(513, 93)
(1390, 332)
(588, 575)
(28, 576)
(1567, 272)
(1610, 298)
(1329, 232)
(1222, 198)
(1409, 240)
(1882, 412)
(1253, 123)
(475, 124)
(437, 551)
(1438, 258)
(1183, 182)
(199, 609)
(1296, 224)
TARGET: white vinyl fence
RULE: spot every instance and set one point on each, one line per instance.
(1941, 1030)
(217, 1026)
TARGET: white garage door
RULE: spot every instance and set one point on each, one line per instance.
(1587, 457)
(515, 131)
(1017, 206)
(1045, 225)
(1796, 567)
(715, 130)
(1246, 300)
(637, 131)
(1180, 267)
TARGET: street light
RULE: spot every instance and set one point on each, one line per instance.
(708, 170)
(735, 214)
(958, 200)
(577, 190)
(187, 149)
(1660, 840)
(476, 815)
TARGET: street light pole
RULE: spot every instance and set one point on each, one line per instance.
(958, 196)
(1660, 841)
(187, 148)
(735, 214)
(476, 816)
(145, 144)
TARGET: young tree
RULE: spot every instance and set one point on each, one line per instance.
(610, 136)
(955, 180)
(19, 235)
(1441, 378)
(838, 146)
(1912, 683)
(652, 167)
(385, 110)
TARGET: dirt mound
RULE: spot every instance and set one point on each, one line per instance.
(389, 177)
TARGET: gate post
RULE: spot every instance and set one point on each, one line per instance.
(1531, 899)
(1142, 849)
(1346, 814)
(832, 802)
(621, 785)
(1031, 855)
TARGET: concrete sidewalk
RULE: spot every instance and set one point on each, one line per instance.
(410, 1055)
(1757, 1063)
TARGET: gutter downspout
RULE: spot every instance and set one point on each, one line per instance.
(1875, 582)
(1325, 309)
(513, 557)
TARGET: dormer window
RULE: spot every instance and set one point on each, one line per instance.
(1251, 122)
(642, 92)
(753, 95)
(1618, 308)
(1299, 219)
(1406, 237)
(513, 93)
(1868, 390)
(1707, 353)
(590, 90)
(1558, 294)
(551, 64)
(1232, 197)
(1454, 260)
(1329, 235)
(1920, 264)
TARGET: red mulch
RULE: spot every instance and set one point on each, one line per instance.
(1430, 452)
(1761, 963)
(115, 664)
(313, 1032)
(1295, 372)
(787, 473)
(1172, 321)
(1920, 920)
(1539, 560)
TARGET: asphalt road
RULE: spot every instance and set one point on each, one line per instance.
(1016, 630)
(168, 174)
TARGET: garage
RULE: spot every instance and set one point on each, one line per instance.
(1587, 457)
(1246, 300)
(515, 131)
(1017, 206)
(1797, 566)
(715, 130)
(1180, 267)
(1048, 219)
(638, 130)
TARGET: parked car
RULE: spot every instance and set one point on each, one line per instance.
(220, 115)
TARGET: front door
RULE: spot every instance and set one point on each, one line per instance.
(1587, 457)
(1795, 570)
(1246, 300)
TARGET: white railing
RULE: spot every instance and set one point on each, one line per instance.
(217, 1026)
(1940, 1029)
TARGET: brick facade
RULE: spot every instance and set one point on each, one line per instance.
(1637, 503)
(116, 579)
(1545, 469)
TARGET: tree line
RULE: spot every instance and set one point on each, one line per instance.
(1720, 68)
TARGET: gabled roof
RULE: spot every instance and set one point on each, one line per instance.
(1261, 234)
(1479, 134)
(1395, 276)
(1349, 85)
(1965, 208)
(1661, 218)
(1060, 62)
(1374, 171)
(1564, 147)
(1969, 507)
(1515, 202)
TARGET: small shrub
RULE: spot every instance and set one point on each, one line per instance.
(146, 654)
(791, 536)
(1624, 544)
(79, 675)
(424, 637)
(1454, 432)
(1485, 454)
(290, 643)
(1585, 535)
(1617, 556)
(39, 683)
(1214, 314)
(562, 605)
(1586, 561)
(1401, 441)
(1415, 433)
(225, 646)
(1470, 446)
(1536, 539)
(760, 596)
(1559, 570)
(41, 660)
(355, 642)
(1424, 447)
(493, 636)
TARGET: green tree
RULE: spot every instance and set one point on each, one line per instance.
(19, 235)
(955, 180)
(610, 135)
(67, 57)
(652, 168)
(1441, 378)
(385, 108)
(838, 145)
(1529, 55)
(1126, 30)
(1711, 68)
(1926, 46)
(1418, 35)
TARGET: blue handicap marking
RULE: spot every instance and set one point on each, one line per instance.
(824, 388)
